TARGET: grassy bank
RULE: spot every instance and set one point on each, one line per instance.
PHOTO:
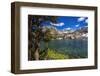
(53, 54)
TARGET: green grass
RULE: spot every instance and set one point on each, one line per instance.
(51, 54)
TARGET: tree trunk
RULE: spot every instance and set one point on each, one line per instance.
(36, 50)
(36, 54)
(46, 51)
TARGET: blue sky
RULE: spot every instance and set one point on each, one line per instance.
(69, 22)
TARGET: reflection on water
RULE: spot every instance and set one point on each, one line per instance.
(76, 47)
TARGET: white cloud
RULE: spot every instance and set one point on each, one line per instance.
(81, 19)
(86, 26)
(68, 28)
(77, 25)
(57, 24)
(62, 23)
(86, 20)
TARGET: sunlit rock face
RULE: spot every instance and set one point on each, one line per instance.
(81, 33)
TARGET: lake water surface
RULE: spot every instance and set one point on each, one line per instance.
(76, 47)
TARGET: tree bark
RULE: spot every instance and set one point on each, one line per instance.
(36, 54)
(46, 51)
(36, 50)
